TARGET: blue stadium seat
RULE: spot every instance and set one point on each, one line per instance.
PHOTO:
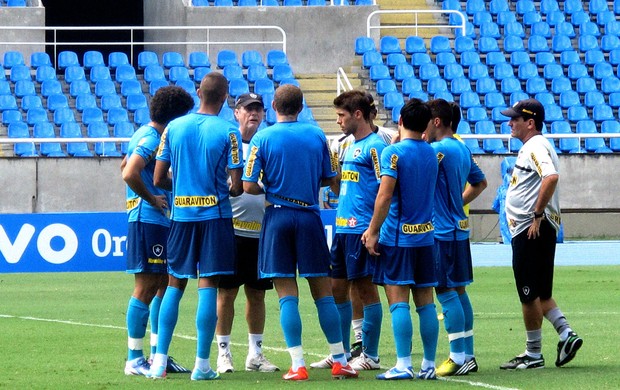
(105, 87)
(263, 86)
(436, 84)
(451, 5)
(510, 85)
(602, 70)
(518, 58)
(555, 17)
(76, 149)
(385, 86)
(147, 58)
(11, 116)
(45, 72)
(35, 115)
(101, 130)
(587, 42)
(497, 6)
(498, 117)
(572, 6)
(419, 59)
(505, 18)
(452, 71)
(393, 99)
(577, 71)
(541, 28)
(292, 3)
(255, 72)
(471, 57)
(411, 85)
(20, 130)
(98, 73)
(439, 44)
(123, 130)
(67, 58)
(187, 85)
(389, 44)
(20, 72)
(569, 98)
(553, 71)
(529, 18)
(198, 59)
(394, 59)
(56, 101)
(476, 114)
(445, 95)
(487, 45)
(79, 87)
(460, 85)
(593, 57)
(177, 73)
(154, 72)
(419, 95)
(523, 6)
(49, 87)
(490, 29)
(117, 115)
(485, 85)
(223, 3)
(544, 58)
(597, 6)
(48, 149)
(403, 71)
(200, 73)
(477, 71)
(155, 85)
(371, 58)
(251, 57)
(30, 101)
(91, 115)
(124, 73)
(561, 84)
(129, 87)
(494, 99)
(474, 6)
(428, 71)
(569, 57)
(464, 44)
(612, 28)
(73, 73)
(247, 3)
(494, 145)
(482, 17)
(545, 98)
(38, 59)
(92, 58)
(593, 98)
(577, 113)
(614, 99)
(63, 115)
(535, 85)
(141, 116)
(116, 59)
(238, 87)
(25, 87)
(276, 57)
(8, 102)
(602, 112)
(396, 114)
(553, 113)
(589, 28)
(469, 99)
(415, 44)
(85, 100)
(502, 71)
(135, 101)
(226, 58)
(5, 87)
(281, 72)
(513, 43)
(560, 43)
(200, 3)
(527, 71)
(537, 43)
(609, 43)
(364, 44)
(565, 28)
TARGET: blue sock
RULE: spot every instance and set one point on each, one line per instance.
(371, 328)
(402, 328)
(290, 320)
(168, 316)
(154, 319)
(329, 319)
(468, 312)
(206, 318)
(429, 330)
(346, 315)
(454, 320)
(137, 317)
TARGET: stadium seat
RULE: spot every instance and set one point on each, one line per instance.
(154, 72)
(535, 85)
(92, 58)
(187, 85)
(487, 45)
(124, 73)
(482, 17)
(560, 43)
(135, 101)
(73, 73)
(469, 99)
(555, 17)
(553, 71)
(255, 72)
(238, 87)
(569, 57)
(518, 58)
(79, 87)
(490, 29)
(463, 44)
(282, 72)
(385, 86)
(10, 116)
(502, 71)
(20, 130)
(123, 130)
(541, 28)
(510, 85)
(589, 28)
(8, 102)
(98, 73)
(20, 72)
(436, 84)
(147, 58)
(371, 58)
(35, 115)
(411, 85)
(527, 71)
(38, 59)
(198, 59)
(537, 43)
(477, 71)
(602, 112)
(452, 71)
(141, 116)
(523, 6)
(561, 84)
(389, 44)
(577, 71)
(415, 44)
(129, 87)
(392, 99)
(364, 44)
(569, 98)
(247, 3)
(474, 6)
(445, 95)
(155, 85)
(67, 58)
(419, 95)
(593, 98)
(553, 113)
(577, 113)
(587, 42)
(48, 149)
(428, 71)
(263, 86)
(471, 57)
(485, 85)
(439, 44)
(565, 28)
(497, 6)
(394, 59)
(276, 57)
(25, 87)
(63, 115)
(593, 57)
(177, 73)
(76, 149)
(545, 98)
(419, 59)
(494, 145)
(91, 115)
(292, 3)
(459, 85)
(171, 59)
(529, 18)
(49, 87)
(497, 116)
(85, 100)
(101, 130)
(116, 115)
(251, 57)
(614, 99)
(403, 71)
(477, 114)
(602, 70)
(513, 43)
(105, 87)
(116, 59)
(45, 72)
(56, 101)
(494, 99)
(609, 43)
(30, 101)
(597, 6)
(228, 114)
(612, 28)
(377, 72)
(200, 73)
(507, 17)
(5, 87)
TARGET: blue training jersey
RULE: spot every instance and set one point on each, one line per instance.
(456, 168)
(294, 157)
(199, 148)
(359, 184)
(414, 166)
(145, 143)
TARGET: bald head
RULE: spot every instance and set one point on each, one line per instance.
(288, 100)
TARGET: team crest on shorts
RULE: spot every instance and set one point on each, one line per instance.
(158, 250)
(526, 290)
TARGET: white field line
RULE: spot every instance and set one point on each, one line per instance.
(477, 384)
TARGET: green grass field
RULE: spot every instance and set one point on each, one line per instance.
(67, 331)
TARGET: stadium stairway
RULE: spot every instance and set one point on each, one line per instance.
(400, 19)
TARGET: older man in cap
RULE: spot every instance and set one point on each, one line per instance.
(533, 213)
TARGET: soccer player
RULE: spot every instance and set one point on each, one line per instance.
(454, 266)
(248, 212)
(294, 159)
(401, 234)
(148, 217)
(203, 151)
(352, 267)
(533, 213)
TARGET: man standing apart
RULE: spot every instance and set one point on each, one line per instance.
(533, 213)
(295, 160)
(202, 150)
(401, 233)
(457, 168)
(248, 211)
(148, 217)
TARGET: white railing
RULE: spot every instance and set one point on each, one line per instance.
(416, 25)
(134, 41)
(342, 82)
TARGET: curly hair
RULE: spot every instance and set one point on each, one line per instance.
(170, 102)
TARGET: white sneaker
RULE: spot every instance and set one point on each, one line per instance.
(137, 366)
(364, 363)
(225, 363)
(259, 363)
(328, 362)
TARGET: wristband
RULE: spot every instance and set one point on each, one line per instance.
(539, 215)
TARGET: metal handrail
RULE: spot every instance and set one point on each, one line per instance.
(342, 82)
(416, 25)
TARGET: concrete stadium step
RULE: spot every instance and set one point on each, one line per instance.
(400, 19)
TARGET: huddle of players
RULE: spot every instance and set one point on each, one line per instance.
(397, 185)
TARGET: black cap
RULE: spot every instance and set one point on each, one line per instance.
(528, 109)
(248, 98)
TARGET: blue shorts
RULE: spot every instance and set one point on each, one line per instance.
(404, 266)
(206, 248)
(291, 240)
(453, 263)
(350, 258)
(146, 248)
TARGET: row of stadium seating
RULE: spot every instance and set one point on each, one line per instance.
(276, 3)
(36, 98)
(13, 3)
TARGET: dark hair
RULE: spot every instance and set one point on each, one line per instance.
(288, 100)
(415, 115)
(456, 116)
(441, 109)
(371, 101)
(214, 88)
(352, 101)
(170, 102)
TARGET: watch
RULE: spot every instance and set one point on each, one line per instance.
(539, 215)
